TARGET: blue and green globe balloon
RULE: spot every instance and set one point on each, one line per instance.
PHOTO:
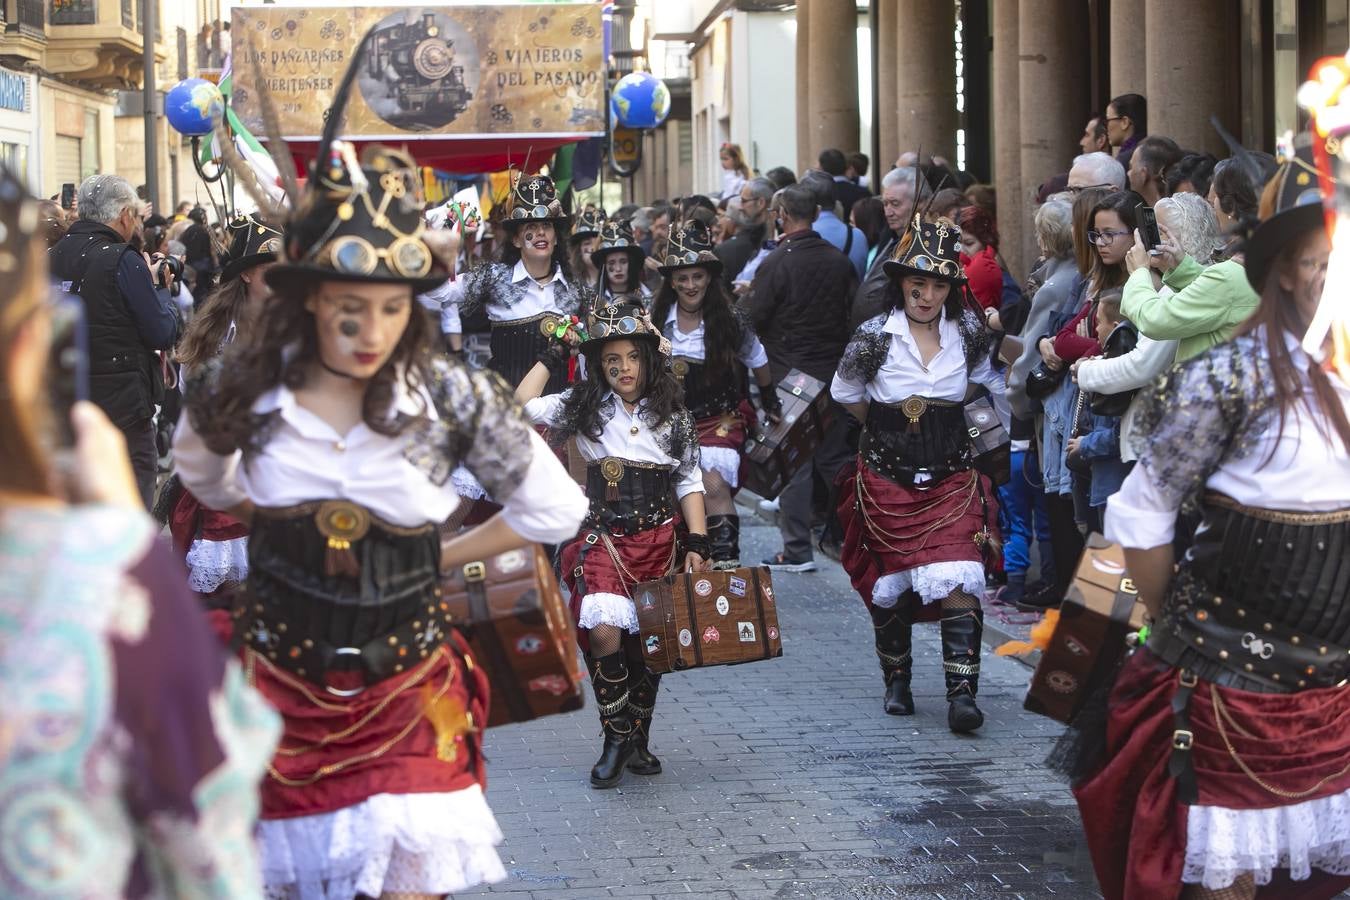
(191, 105)
(640, 100)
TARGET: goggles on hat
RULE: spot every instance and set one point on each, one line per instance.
(354, 255)
(603, 328)
(676, 259)
(948, 267)
(533, 212)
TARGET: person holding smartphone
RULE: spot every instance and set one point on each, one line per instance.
(103, 653)
(641, 449)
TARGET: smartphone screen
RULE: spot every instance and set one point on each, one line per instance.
(1148, 227)
(67, 363)
(68, 195)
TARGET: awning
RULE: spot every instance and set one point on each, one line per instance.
(465, 156)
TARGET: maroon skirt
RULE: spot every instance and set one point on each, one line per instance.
(588, 567)
(892, 528)
(727, 429)
(1134, 823)
(417, 732)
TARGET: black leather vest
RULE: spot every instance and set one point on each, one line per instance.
(124, 377)
(628, 497)
(917, 436)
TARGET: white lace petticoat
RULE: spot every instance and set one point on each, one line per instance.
(602, 608)
(466, 485)
(722, 460)
(416, 843)
(214, 563)
(931, 581)
(1223, 843)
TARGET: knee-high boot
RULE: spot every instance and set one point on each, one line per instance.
(962, 627)
(894, 629)
(609, 678)
(724, 534)
(642, 687)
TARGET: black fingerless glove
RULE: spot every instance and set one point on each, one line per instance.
(554, 356)
(770, 401)
(699, 543)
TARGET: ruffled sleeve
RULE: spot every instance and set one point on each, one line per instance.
(862, 359)
(1197, 416)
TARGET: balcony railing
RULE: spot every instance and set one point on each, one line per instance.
(32, 17)
(72, 12)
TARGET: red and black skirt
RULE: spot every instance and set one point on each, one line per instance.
(601, 570)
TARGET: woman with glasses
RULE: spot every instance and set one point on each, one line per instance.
(641, 452)
(533, 282)
(920, 521)
(714, 345)
(333, 435)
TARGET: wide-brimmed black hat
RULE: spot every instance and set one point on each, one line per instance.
(590, 222)
(928, 250)
(359, 222)
(617, 237)
(690, 245)
(1298, 210)
(621, 319)
(253, 242)
(533, 198)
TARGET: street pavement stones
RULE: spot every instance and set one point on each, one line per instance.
(784, 779)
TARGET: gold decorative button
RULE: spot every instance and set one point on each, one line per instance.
(340, 446)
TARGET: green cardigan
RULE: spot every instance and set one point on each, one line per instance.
(1206, 306)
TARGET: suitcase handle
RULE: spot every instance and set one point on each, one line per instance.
(759, 607)
(693, 619)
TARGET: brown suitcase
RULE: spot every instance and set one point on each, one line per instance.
(775, 454)
(989, 440)
(707, 619)
(1100, 609)
(512, 614)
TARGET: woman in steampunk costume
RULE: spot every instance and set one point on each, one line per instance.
(1224, 767)
(641, 452)
(713, 345)
(619, 260)
(919, 520)
(583, 240)
(530, 288)
(332, 435)
(214, 543)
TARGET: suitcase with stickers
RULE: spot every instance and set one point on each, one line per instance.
(707, 619)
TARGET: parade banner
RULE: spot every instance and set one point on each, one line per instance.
(428, 72)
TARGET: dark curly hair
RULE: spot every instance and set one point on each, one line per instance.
(722, 331)
(224, 416)
(510, 253)
(581, 409)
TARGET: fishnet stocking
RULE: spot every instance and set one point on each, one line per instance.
(717, 500)
(605, 639)
(959, 601)
(1242, 888)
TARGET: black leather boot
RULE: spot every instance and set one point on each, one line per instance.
(894, 628)
(961, 632)
(642, 687)
(609, 678)
(724, 533)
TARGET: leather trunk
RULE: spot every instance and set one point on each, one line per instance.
(1100, 609)
(775, 454)
(687, 621)
(512, 613)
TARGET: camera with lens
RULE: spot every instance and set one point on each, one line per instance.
(174, 266)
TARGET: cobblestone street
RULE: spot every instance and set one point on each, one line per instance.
(785, 779)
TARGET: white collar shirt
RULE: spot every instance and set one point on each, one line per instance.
(689, 344)
(508, 295)
(625, 435)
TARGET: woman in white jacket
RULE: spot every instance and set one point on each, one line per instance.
(1188, 227)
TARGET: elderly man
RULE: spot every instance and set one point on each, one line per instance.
(897, 199)
(129, 317)
(1095, 170)
(799, 306)
(751, 225)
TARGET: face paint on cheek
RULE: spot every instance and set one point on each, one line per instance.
(914, 295)
(614, 372)
(349, 328)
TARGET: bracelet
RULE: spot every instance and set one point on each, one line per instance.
(698, 543)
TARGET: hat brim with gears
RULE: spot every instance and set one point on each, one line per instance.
(359, 223)
(624, 320)
(928, 250)
(690, 248)
(533, 198)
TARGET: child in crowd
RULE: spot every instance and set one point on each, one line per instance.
(1100, 445)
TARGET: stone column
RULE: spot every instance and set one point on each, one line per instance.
(888, 104)
(1188, 72)
(803, 84)
(1127, 48)
(832, 53)
(1053, 88)
(925, 76)
(1012, 220)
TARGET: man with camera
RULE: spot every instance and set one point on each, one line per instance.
(129, 313)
